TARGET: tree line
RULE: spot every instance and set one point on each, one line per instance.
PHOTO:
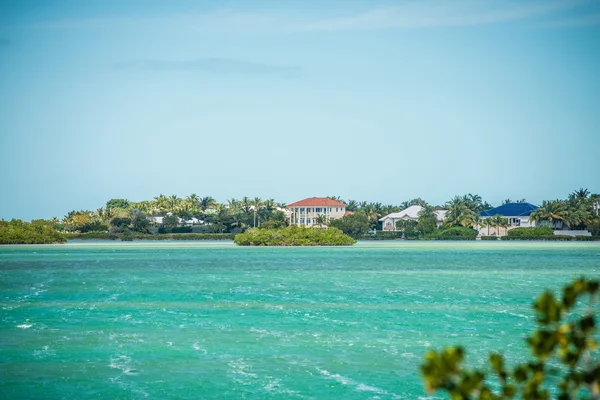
(578, 211)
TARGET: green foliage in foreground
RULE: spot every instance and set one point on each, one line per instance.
(294, 236)
(142, 236)
(563, 348)
(532, 232)
(36, 232)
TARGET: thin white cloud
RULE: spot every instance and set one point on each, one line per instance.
(444, 13)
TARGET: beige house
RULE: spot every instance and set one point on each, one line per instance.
(305, 212)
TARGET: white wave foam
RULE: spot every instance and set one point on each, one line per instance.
(359, 387)
(197, 347)
(365, 388)
(123, 364)
(24, 326)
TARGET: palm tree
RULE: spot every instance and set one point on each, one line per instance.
(499, 221)
(459, 215)
(162, 202)
(194, 202)
(506, 201)
(427, 212)
(488, 222)
(172, 202)
(581, 194)
(477, 221)
(100, 214)
(427, 221)
(207, 203)
(553, 211)
(595, 200)
(456, 200)
(233, 204)
(475, 202)
(417, 202)
(257, 205)
(485, 206)
(504, 224)
(352, 205)
(579, 214)
(322, 220)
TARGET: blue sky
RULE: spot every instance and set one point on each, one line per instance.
(369, 100)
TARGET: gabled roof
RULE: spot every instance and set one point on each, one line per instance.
(511, 210)
(317, 202)
(412, 212)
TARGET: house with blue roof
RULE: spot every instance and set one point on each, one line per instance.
(516, 213)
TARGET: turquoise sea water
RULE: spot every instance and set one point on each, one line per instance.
(206, 320)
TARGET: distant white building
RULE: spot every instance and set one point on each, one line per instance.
(156, 220)
(388, 223)
(159, 220)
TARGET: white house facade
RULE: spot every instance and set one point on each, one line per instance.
(517, 215)
(388, 223)
(305, 212)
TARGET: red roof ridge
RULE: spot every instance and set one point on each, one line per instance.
(316, 202)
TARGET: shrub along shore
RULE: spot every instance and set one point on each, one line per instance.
(145, 236)
(294, 236)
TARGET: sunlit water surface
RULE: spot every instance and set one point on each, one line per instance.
(196, 320)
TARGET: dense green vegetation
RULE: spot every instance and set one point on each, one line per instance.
(531, 232)
(453, 233)
(204, 215)
(35, 232)
(542, 233)
(355, 225)
(144, 236)
(382, 235)
(293, 236)
(563, 349)
(578, 211)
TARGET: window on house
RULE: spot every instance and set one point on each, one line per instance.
(302, 210)
(318, 209)
(336, 209)
(329, 209)
(301, 221)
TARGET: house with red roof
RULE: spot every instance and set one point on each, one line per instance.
(305, 212)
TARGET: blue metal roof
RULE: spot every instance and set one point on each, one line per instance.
(511, 210)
